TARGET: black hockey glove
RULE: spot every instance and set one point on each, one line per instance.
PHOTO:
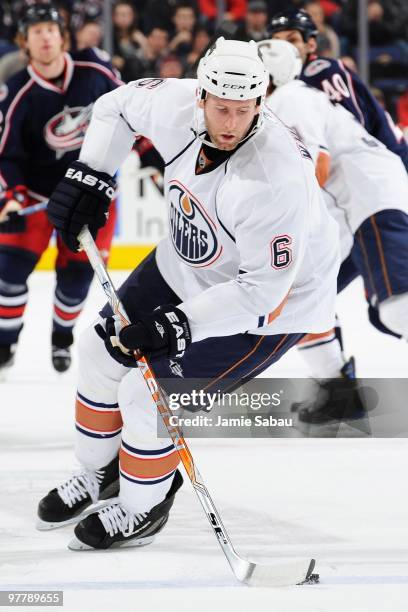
(10, 202)
(81, 198)
(164, 333)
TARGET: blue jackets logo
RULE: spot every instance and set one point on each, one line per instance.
(192, 231)
(66, 130)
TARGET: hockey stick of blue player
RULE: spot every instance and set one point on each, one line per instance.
(249, 572)
(29, 210)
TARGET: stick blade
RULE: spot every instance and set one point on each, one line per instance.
(280, 575)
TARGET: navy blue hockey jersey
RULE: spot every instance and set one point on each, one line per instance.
(43, 122)
(344, 87)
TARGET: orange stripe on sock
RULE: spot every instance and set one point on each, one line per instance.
(148, 467)
(97, 420)
(310, 337)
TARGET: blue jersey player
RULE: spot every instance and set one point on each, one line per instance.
(342, 85)
(44, 112)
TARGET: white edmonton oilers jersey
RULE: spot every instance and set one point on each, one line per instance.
(251, 246)
(365, 177)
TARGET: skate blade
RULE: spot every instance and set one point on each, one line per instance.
(76, 545)
(47, 526)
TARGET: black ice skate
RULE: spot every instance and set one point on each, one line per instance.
(6, 359)
(337, 399)
(115, 527)
(60, 350)
(79, 496)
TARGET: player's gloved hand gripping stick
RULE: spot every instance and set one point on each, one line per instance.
(246, 571)
(13, 209)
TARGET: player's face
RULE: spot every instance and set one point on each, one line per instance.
(228, 121)
(44, 42)
(296, 38)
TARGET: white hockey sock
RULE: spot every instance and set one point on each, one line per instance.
(324, 359)
(146, 475)
(147, 462)
(98, 417)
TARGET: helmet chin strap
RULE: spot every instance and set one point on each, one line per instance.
(201, 135)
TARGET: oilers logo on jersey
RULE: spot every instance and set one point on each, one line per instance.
(65, 131)
(193, 232)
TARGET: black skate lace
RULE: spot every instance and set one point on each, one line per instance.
(115, 518)
(84, 482)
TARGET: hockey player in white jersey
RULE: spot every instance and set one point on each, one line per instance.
(366, 190)
(249, 266)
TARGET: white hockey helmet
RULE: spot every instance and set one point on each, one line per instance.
(282, 60)
(232, 69)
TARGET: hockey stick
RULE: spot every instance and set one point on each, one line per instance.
(25, 212)
(29, 210)
(249, 572)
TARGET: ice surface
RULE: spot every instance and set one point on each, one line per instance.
(343, 502)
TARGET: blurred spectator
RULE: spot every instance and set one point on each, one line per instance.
(12, 62)
(235, 11)
(8, 29)
(170, 67)
(331, 7)
(184, 20)
(200, 43)
(83, 10)
(256, 20)
(328, 44)
(146, 61)
(160, 13)
(155, 48)
(6, 21)
(388, 21)
(127, 38)
(90, 34)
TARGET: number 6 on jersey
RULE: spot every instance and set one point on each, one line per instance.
(281, 251)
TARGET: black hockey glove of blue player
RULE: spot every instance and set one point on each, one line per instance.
(164, 333)
(10, 202)
(81, 198)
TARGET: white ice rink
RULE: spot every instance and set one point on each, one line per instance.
(343, 502)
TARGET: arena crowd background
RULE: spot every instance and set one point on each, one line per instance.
(165, 38)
